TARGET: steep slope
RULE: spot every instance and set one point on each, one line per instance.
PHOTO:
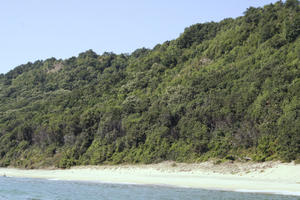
(227, 90)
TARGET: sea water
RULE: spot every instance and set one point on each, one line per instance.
(39, 189)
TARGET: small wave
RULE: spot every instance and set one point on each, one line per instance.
(53, 179)
(270, 192)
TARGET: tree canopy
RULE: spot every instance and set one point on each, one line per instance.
(227, 90)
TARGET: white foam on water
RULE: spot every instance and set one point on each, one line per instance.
(270, 192)
(53, 179)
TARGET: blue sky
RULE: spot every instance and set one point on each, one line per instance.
(40, 29)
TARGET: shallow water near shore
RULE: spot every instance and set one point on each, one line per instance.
(39, 189)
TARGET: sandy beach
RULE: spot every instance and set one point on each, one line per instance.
(268, 177)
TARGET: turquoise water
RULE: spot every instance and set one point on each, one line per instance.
(38, 189)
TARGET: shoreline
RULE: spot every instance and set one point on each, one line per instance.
(268, 177)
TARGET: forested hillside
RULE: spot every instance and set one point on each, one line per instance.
(226, 90)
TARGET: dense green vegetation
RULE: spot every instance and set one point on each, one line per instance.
(227, 90)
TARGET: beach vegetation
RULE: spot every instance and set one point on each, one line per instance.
(223, 90)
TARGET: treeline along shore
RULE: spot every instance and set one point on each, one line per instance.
(225, 90)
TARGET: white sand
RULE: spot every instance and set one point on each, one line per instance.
(269, 177)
